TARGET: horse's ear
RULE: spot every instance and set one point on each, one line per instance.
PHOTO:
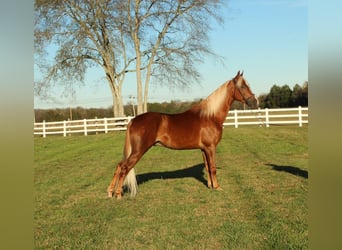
(237, 78)
(241, 73)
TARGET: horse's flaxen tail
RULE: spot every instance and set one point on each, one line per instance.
(130, 180)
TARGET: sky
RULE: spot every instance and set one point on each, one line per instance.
(267, 39)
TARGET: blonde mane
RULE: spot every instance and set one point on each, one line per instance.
(214, 102)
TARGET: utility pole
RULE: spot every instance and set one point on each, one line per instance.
(131, 98)
(70, 113)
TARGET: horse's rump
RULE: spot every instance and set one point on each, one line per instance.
(143, 130)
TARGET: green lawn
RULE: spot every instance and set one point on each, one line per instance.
(263, 171)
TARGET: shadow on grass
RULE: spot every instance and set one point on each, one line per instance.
(289, 169)
(195, 171)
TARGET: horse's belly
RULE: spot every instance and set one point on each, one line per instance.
(178, 141)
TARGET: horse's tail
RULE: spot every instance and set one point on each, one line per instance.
(130, 180)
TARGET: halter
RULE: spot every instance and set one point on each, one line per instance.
(243, 96)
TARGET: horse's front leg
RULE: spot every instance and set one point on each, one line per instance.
(210, 156)
(209, 183)
(114, 183)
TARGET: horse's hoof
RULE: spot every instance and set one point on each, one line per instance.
(110, 193)
(118, 196)
(218, 188)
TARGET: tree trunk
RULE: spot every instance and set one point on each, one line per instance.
(140, 108)
(118, 107)
(147, 81)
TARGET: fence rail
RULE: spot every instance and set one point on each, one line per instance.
(260, 117)
(267, 117)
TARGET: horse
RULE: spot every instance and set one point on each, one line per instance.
(199, 127)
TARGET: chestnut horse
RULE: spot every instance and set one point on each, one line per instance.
(200, 127)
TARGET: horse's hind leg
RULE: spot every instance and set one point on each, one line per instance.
(125, 168)
(113, 184)
(127, 151)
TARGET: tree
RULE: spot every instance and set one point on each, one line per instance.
(169, 38)
(285, 96)
(281, 97)
(278, 97)
(300, 95)
(273, 98)
(86, 35)
(296, 95)
(162, 39)
(305, 94)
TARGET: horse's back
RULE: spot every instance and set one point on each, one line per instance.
(146, 122)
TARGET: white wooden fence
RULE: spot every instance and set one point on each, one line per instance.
(259, 117)
(267, 117)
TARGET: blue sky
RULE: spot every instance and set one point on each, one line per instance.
(266, 39)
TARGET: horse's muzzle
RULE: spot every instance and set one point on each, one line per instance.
(252, 102)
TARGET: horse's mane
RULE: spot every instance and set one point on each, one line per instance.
(216, 102)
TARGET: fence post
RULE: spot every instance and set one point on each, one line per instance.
(44, 131)
(105, 124)
(236, 118)
(64, 128)
(85, 127)
(69, 129)
(259, 117)
(267, 118)
(300, 116)
(96, 125)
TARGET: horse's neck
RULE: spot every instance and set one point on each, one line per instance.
(223, 110)
(222, 114)
(216, 106)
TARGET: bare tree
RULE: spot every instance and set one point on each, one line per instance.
(169, 38)
(86, 34)
(157, 39)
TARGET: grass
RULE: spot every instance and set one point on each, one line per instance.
(263, 172)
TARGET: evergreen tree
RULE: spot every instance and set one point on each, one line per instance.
(285, 97)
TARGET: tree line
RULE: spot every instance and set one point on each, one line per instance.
(278, 97)
(78, 113)
(285, 97)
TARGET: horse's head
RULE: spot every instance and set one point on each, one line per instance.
(242, 91)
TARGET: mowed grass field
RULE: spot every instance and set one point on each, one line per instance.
(263, 205)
